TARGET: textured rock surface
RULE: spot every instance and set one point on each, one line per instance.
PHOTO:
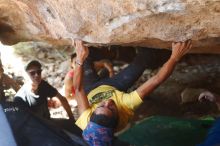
(124, 22)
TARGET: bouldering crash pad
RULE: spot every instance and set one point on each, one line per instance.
(167, 131)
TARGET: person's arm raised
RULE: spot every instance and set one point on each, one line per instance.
(178, 50)
(81, 98)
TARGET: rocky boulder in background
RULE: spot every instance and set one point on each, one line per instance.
(129, 22)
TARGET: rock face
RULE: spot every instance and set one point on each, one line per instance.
(152, 23)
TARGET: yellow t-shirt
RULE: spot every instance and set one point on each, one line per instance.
(125, 102)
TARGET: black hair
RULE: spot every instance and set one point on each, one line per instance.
(103, 120)
(33, 63)
(72, 56)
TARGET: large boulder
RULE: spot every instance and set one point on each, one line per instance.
(153, 23)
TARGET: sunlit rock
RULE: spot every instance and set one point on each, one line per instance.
(153, 23)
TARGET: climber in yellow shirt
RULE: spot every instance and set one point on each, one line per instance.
(104, 105)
